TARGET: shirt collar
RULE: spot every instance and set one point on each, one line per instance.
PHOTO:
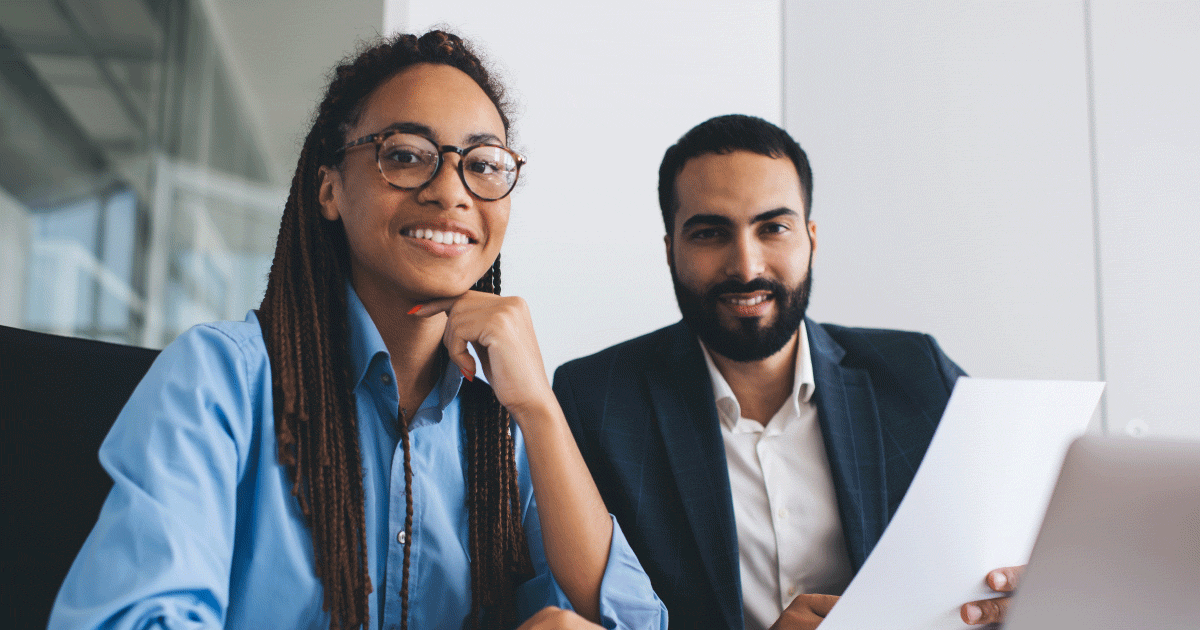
(369, 356)
(803, 384)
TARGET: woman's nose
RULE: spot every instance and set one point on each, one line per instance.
(447, 188)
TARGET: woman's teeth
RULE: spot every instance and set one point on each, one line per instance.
(438, 236)
(758, 299)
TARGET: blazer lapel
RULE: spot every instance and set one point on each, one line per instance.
(681, 393)
(849, 420)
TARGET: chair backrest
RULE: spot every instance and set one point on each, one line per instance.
(58, 399)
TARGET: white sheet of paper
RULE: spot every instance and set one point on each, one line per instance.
(975, 504)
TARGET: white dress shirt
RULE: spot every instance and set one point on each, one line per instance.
(790, 538)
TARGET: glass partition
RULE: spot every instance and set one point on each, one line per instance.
(135, 195)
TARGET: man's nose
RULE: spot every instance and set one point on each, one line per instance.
(745, 259)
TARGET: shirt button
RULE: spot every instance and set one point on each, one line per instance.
(783, 513)
(385, 378)
(791, 591)
(400, 537)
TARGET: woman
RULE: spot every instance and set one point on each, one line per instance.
(332, 461)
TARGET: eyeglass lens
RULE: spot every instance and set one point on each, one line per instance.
(410, 161)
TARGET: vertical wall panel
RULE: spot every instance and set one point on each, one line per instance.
(949, 142)
(1147, 104)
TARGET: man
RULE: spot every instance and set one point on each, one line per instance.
(753, 457)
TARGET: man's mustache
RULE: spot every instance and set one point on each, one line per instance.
(726, 287)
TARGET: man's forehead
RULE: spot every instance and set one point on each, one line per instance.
(737, 185)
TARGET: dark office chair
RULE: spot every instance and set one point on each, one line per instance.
(58, 399)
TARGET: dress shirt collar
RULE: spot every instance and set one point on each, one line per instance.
(369, 358)
(803, 384)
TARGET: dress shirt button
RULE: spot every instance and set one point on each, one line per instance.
(783, 513)
(385, 378)
(791, 591)
(400, 537)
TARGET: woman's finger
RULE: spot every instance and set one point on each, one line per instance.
(433, 307)
(456, 341)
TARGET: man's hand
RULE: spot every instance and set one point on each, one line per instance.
(993, 610)
(805, 612)
(551, 618)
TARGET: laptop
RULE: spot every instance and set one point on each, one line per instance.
(1120, 544)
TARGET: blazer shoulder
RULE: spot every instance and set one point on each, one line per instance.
(631, 354)
(901, 351)
(851, 337)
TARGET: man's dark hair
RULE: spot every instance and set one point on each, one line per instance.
(726, 134)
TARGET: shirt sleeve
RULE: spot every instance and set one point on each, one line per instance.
(626, 598)
(160, 553)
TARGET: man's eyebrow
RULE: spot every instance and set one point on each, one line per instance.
(722, 220)
(707, 219)
(771, 214)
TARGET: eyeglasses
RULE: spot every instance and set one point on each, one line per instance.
(409, 161)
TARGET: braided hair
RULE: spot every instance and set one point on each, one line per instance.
(307, 335)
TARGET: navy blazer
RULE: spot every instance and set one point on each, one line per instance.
(644, 417)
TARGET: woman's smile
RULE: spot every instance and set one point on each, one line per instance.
(441, 239)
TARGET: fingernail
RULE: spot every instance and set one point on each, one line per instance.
(999, 580)
(413, 310)
(973, 613)
(467, 375)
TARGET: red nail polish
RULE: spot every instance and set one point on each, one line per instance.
(467, 375)
(413, 310)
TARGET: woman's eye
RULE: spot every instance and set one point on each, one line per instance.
(483, 167)
(403, 156)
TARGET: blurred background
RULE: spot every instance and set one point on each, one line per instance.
(1017, 178)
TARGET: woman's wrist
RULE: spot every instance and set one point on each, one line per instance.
(538, 415)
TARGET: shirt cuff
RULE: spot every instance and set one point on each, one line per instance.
(626, 598)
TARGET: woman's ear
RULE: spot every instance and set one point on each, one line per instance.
(330, 193)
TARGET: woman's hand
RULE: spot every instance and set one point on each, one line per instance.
(501, 329)
(576, 528)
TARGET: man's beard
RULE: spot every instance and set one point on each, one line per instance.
(748, 341)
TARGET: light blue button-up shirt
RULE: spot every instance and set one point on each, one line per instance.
(201, 529)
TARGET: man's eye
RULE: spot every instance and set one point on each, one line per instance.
(705, 234)
(775, 228)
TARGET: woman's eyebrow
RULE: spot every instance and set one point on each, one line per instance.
(409, 127)
(484, 138)
(427, 132)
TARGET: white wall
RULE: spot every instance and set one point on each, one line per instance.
(952, 191)
(955, 191)
(1147, 78)
(605, 89)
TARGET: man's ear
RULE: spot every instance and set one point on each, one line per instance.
(670, 258)
(330, 192)
(812, 235)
